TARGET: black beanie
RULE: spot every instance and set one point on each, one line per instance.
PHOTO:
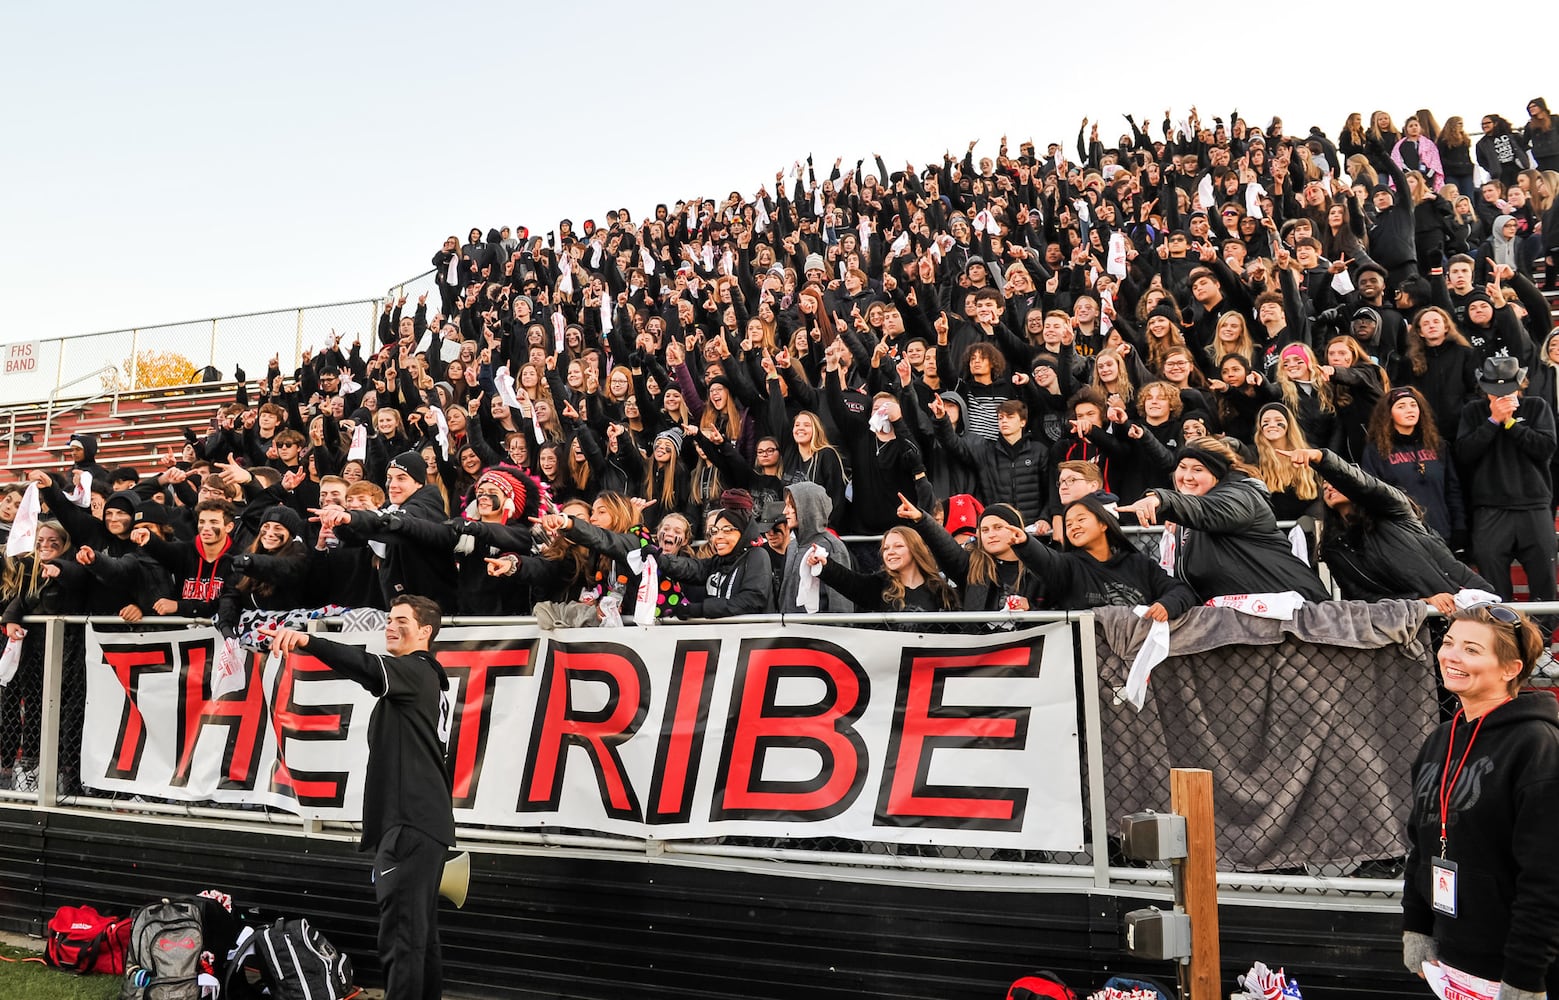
(411, 463)
(286, 517)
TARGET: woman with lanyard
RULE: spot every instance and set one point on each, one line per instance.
(1481, 892)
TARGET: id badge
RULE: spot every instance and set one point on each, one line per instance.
(1442, 877)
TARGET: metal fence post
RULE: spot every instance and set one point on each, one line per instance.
(135, 360)
(49, 736)
(211, 358)
(1093, 742)
(297, 343)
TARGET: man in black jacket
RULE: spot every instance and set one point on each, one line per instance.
(408, 818)
(1504, 446)
(416, 510)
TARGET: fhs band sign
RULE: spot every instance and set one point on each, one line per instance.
(668, 732)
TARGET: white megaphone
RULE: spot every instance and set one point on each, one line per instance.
(457, 879)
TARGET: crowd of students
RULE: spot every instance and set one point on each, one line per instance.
(991, 363)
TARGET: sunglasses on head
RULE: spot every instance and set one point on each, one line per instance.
(1498, 612)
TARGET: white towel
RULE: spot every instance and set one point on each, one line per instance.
(649, 588)
(1470, 596)
(441, 429)
(11, 659)
(809, 590)
(1155, 650)
(359, 449)
(503, 379)
(24, 527)
(1116, 260)
(81, 496)
(229, 673)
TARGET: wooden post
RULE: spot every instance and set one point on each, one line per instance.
(1191, 795)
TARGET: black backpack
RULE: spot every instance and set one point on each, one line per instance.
(293, 961)
(163, 961)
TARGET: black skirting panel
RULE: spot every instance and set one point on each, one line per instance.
(594, 929)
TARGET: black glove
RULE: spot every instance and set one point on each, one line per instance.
(189, 435)
(243, 563)
(390, 522)
(239, 376)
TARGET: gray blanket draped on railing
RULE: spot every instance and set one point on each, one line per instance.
(1310, 727)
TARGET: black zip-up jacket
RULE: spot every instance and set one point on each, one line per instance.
(1229, 543)
(953, 560)
(1507, 467)
(1383, 551)
(406, 566)
(1005, 472)
(1499, 832)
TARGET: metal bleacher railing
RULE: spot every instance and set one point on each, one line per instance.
(108, 362)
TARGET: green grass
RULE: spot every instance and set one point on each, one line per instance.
(32, 981)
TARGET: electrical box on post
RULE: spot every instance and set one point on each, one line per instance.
(1151, 836)
(1161, 935)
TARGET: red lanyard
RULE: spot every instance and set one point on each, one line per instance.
(1446, 790)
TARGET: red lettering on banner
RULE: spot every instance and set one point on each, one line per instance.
(682, 731)
(129, 663)
(559, 725)
(906, 797)
(759, 724)
(241, 715)
(291, 720)
(477, 667)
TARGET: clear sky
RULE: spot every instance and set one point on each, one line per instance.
(168, 161)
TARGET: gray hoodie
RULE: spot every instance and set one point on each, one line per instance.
(813, 508)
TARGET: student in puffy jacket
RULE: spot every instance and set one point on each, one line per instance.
(1226, 538)
(1010, 469)
(1376, 545)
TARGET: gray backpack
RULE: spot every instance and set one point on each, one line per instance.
(164, 955)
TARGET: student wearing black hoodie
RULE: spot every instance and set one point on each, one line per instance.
(1100, 566)
(82, 449)
(1375, 542)
(1486, 801)
(416, 510)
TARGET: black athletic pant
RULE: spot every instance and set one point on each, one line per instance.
(407, 870)
(1527, 536)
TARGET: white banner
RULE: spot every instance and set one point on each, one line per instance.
(670, 732)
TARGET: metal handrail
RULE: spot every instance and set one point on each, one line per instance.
(50, 412)
(396, 288)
